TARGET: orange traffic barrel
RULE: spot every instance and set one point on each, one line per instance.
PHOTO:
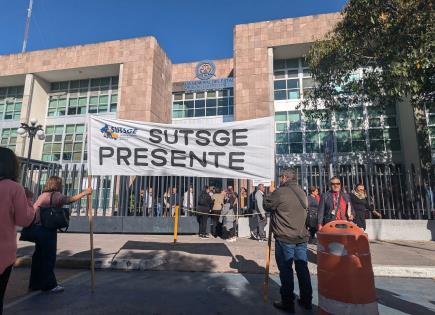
(344, 270)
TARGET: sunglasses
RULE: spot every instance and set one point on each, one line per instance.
(335, 184)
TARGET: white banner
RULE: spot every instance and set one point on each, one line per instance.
(240, 149)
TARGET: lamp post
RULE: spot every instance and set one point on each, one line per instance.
(31, 130)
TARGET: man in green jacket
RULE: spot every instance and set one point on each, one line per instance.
(288, 206)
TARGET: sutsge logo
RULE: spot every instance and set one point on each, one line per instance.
(116, 133)
(205, 70)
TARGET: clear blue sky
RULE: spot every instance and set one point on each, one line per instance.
(187, 30)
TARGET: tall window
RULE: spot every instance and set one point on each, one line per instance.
(65, 143)
(78, 97)
(8, 138)
(430, 118)
(200, 104)
(383, 131)
(11, 99)
(300, 133)
(291, 79)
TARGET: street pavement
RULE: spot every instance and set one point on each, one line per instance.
(157, 252)
(202, 293)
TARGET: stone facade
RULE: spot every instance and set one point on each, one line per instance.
(253, 94)
(145, 85)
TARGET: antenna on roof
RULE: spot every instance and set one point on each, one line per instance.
(26, 32)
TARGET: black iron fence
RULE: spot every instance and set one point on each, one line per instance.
(397, 192)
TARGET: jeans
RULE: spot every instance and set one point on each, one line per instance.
(261, 226)
(159, 210)
(285, 253)
(4, 278)
(43, 260)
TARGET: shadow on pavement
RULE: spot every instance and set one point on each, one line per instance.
(213, 249)
(392, 300)
(119, 292)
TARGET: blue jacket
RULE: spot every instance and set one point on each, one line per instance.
(326, 206)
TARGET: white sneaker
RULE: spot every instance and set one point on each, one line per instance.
(57, 289)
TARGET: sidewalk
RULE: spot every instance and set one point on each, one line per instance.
(157, 252)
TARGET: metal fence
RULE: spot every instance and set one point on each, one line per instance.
(397, 192)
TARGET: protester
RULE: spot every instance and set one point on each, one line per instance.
(205, 204)
(288, 206)
(218, 202)
(188, 200)
(261, 213)
(335, 204)
(243, 200)
(44, 258)
(174, 200)
(15, 209)
(148, 202)
(313, 207)
(227, 218)
(167, 203)
(360, 204)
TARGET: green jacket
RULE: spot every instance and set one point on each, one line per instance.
(288, 206)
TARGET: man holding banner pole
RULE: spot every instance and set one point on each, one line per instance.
(288, 206)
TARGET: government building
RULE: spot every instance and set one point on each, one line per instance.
(134, 79)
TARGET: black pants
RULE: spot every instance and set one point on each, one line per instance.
(215, 223)
(43, 260)
(4, 278)
(202, 220)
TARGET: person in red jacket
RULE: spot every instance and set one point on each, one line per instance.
(15, 209)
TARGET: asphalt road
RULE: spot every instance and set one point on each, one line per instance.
(190, 293)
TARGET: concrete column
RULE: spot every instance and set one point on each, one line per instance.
(270, 80)
(38, 104)
(22, 143)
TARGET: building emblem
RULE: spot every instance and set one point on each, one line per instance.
(205, 70)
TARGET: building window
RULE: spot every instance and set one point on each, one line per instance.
(430, 118)
(65, 143)
(352, 129)
(291, 79)
(202, 104)
(78, 97)
(383, 132)
(8, 138)
(11, 99)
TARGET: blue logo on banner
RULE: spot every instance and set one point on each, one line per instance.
(205, 70)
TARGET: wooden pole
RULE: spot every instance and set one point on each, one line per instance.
(268, 251)
(91, 234)
(177, 208)
(266, 275)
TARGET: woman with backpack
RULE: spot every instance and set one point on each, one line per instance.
(44, 258)
(15, 209)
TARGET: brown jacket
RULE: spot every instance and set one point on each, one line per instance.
(218, 201)
(288, 206)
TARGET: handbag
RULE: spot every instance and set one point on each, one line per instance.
(54, 218)
(28, 233)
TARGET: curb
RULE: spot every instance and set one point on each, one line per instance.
(158, 264)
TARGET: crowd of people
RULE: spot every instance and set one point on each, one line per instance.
(294, 219)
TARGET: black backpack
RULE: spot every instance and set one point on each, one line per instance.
(203, 199)
(54, 218)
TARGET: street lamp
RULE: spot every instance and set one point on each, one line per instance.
(31, 130)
